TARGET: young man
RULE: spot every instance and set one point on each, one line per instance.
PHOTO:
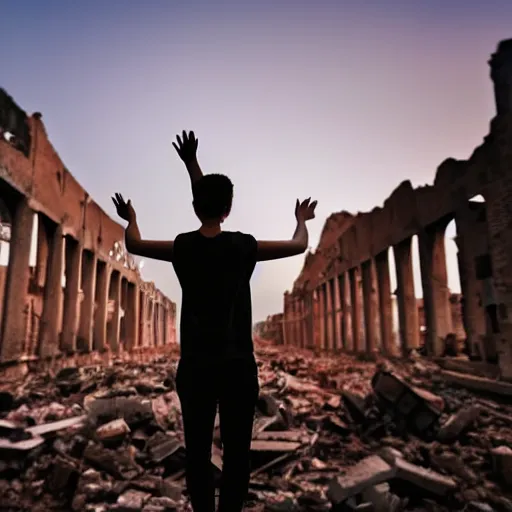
(217, 365)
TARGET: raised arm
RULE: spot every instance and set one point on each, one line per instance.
(155, 249)
(187, 151)
(275, 250)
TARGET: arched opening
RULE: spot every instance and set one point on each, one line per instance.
(395, 326)
(418, 290)
(458, 341)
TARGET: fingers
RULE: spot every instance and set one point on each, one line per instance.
(176, 148)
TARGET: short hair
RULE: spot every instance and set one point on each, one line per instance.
(213, 196)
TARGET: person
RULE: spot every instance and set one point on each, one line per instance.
(217, 367)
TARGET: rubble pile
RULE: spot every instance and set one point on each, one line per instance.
(330, 433)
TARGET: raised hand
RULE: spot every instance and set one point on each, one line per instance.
(124, 209)
(305, 211)
(186, 148)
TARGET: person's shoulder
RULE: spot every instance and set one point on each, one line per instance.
(242, 237)
(187, 235)
(244, 242)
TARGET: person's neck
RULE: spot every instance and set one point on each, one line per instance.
(210, 229)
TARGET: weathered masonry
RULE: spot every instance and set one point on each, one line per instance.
(342, 299)
(66, 284)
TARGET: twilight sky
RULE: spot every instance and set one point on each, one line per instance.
(338, 100)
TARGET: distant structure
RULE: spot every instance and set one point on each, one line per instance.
(67, 286)
(342, 299)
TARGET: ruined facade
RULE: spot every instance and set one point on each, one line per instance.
(342, 299)
(67, 285)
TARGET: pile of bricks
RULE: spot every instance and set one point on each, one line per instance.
(329, 434)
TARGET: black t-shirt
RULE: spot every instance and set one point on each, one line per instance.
(216, 311)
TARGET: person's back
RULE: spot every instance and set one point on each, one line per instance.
(216, 313)
(217, 368)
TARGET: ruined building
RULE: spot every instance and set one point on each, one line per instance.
(66, 284)
(342, 299)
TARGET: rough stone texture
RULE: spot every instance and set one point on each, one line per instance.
(84, 291)
(484, 239)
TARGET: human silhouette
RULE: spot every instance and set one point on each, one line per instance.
(217, 367)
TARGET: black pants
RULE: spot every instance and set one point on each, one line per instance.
(233, 386)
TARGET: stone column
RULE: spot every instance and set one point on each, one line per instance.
(406, 296)
(85, 336)
(385, 303)
(116, 317)
(472, 241)
(309, 320)
(161, 340)
(329, 342)
(132, 317)
(16, 285)
(71, 314)
(436, 294)
(143, 320)
(333, 284)
(300, 320)
(323, 317)
(286, 337)
(291, 321)
(166, 325)
(152, 308)
(43, 251)
(347, 341)
(100, 318)
(50, 329)
(370, 312)
(355, 301)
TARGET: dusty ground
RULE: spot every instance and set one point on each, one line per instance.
(316, 419)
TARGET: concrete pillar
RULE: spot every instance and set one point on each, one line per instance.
(152, 327)
(303, 324)
(100, 317)
(292, 320)
(333, 284)
(472, 241)
(323, 316)
(16, 285)
(329, 314)
(406, 296)
(70, 321)
(436, 294)
(49, 332)
(317, 323)
(347, 341)
(85, 334)
(132, 317)
(355, 302)
(166, 325)
(309, 312)
(43, 251)
(370, 312)
(143, 318)
(115, 327)
(161, 339)
(385, 302)
(300, 320)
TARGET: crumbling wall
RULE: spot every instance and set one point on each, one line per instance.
(342, 297)
(80, 292)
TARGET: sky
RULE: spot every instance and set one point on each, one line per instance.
(337, 100)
